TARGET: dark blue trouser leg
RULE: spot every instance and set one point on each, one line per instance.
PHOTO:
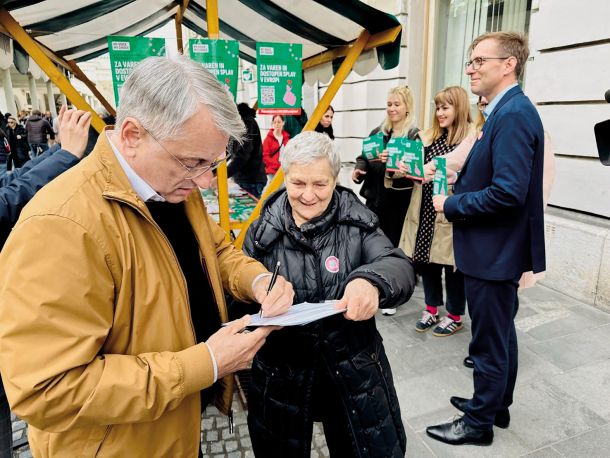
(492, 306)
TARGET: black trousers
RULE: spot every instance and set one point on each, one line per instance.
(6, 428)
(431, 275)
(492, 306)
(391, 213)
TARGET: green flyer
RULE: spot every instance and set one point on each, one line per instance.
(372, 146)
(219, 57)
(439, 184)
(396, 150)
(413, 158)
(126, 52)
(280, 78)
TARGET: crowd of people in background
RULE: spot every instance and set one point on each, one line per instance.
(24, 137)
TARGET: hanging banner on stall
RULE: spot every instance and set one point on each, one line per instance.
(126, 52)
(219, 57)
(280, 78)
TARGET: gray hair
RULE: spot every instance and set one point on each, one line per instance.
(309, 146)
(164, 92)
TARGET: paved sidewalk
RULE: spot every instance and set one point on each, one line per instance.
(562, 399)
(562, 406)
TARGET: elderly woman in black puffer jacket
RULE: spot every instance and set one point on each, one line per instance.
(334, 370)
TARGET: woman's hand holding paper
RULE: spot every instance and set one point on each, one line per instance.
(361, 298)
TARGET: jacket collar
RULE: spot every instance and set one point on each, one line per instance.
(509, 95)
(118, 187)
(116, 183)
(505, 98)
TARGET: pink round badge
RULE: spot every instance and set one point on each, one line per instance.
(332, 264)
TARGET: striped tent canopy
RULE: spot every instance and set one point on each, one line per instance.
(77, 29)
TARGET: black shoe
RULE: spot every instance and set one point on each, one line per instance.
(459, 433)
(502, 416)
(468, 362)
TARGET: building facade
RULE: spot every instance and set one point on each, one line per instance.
(566, 77)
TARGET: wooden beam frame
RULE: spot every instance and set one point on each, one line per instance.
(178, 22)
(36, 52)
(379, 39)
(74, 68)
(344, 70)
(221, 172)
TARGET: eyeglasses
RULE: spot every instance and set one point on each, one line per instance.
(197, 170)
(478, 61)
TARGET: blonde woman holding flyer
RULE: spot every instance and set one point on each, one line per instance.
(387, 194)
(427, 235)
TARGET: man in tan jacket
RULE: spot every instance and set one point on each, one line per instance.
(113, 281)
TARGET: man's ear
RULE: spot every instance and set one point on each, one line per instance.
(509, 65)
(132, 135)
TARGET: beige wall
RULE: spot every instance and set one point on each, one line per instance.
(567, 78)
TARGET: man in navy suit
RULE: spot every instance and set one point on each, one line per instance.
(498, 231)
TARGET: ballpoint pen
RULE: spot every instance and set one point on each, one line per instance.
(271, 283)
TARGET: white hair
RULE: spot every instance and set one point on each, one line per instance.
(308, 147)
(164, 92)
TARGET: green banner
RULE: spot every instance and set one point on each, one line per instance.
(126, 52)
(219, 57)
(280, 78)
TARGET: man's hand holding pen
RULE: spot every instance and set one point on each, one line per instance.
(278, 300)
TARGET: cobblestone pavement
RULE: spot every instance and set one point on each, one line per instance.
(217, 441)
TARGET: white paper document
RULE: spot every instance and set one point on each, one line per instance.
(298, 314)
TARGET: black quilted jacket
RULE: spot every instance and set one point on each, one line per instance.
(282, 373)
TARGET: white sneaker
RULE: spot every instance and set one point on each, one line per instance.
(388, 311)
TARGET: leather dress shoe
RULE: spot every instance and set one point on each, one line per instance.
(502, 419)
(468, 362)
(458, 433)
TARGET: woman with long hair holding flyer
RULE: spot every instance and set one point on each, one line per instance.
(427, 235)
(387, 194)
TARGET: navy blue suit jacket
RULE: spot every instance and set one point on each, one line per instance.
(497, 208)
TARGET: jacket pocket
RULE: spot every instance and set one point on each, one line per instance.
(273, 385)
(374, 359)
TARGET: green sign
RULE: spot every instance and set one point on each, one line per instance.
(246, 75)
(219, 57)
(395, 150)
(126, 52)
(439, 184)
(372, 146)
(279, 78)
(413, 158)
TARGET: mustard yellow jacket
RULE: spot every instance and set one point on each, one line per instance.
(97, 347)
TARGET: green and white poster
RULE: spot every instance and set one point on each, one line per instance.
(280, 78)
(439, 184)
(219, 57)
(372, 146)
(126, 52)
(413, 158)
(395, 148)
